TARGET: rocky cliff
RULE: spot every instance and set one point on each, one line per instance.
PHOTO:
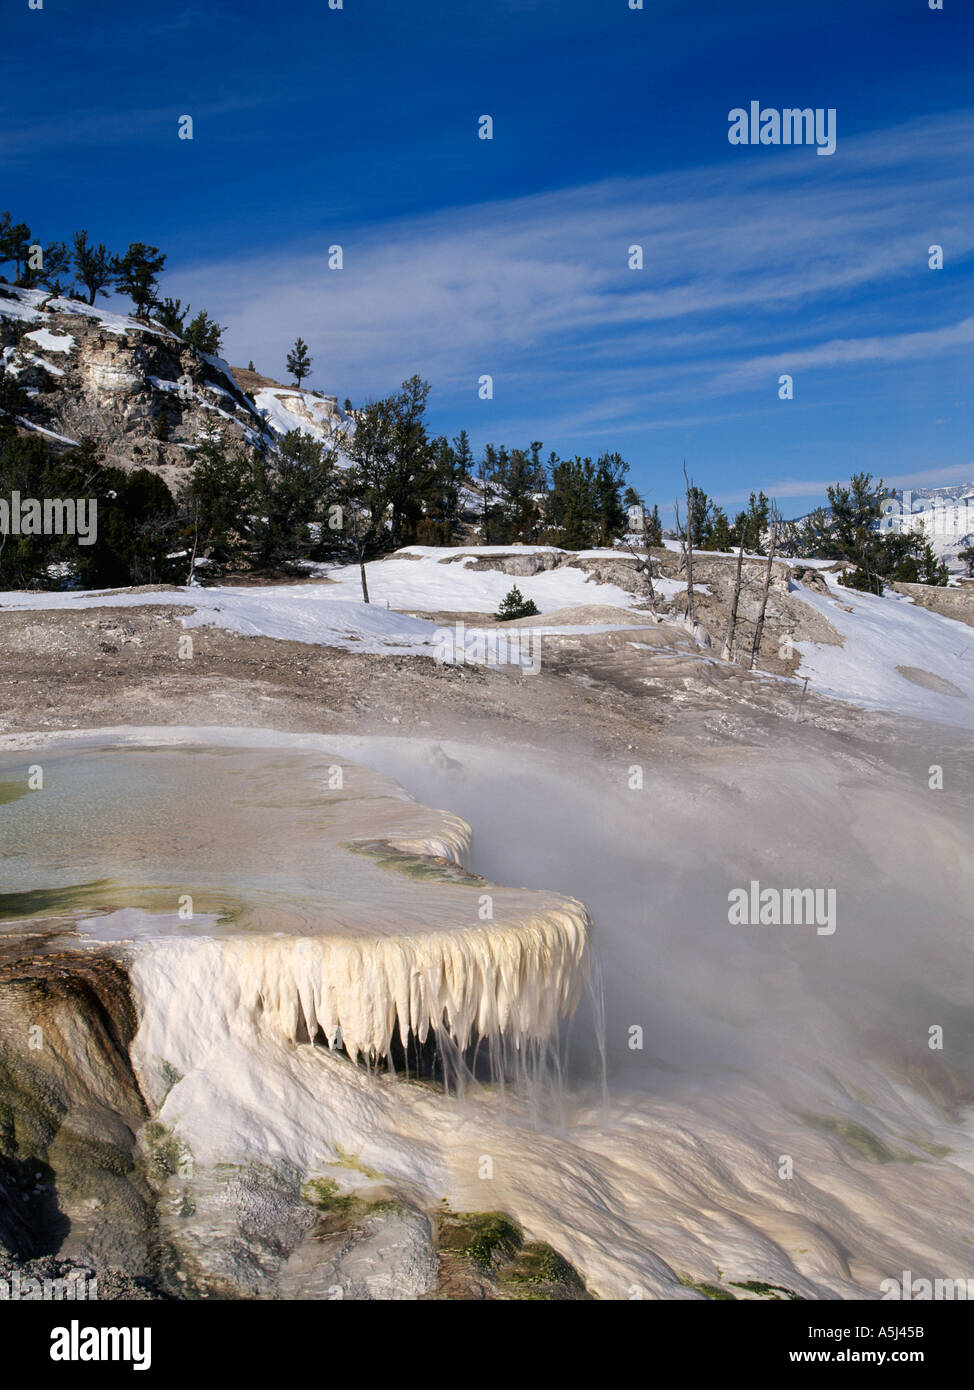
(146, 397)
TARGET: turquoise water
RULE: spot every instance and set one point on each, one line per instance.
(258, 840)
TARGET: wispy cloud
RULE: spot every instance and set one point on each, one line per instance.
(515, 286)
(30, 138)
(803, 488)
(749, 271)
(898, 347)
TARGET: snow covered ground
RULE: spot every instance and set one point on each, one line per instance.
(32, 306)
(419, 581)
(286, 409)
(891, 649)
(895, 655)
(332, 614)
(307, 613)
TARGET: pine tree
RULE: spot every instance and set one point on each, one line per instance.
(850, 533)
(442, 501)
(654, 528)
(931, 570)
(699, 521)
(751, 525)
(463, 454)
(293, 490)
(94, 266)
(967, 555)
(486, 472)
(15, 244)
(412, 459)
(540, 476)
(363, 485)
(298, 362)
(219, 503)
(55, 261)
(572, 505)
(516, 479)
(136, 274)
(720, 535)
(515, 605)
(171, 314)
(205, 334)
(610, 473)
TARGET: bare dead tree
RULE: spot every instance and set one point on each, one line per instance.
(196, 536)
(360, 533)
(728, 651)
(645, 565)
(689, 542)
(801, 700)
(774, 524)
(681, 537)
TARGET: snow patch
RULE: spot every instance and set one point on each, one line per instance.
(52, 342)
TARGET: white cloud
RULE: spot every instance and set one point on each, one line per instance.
(750, 268)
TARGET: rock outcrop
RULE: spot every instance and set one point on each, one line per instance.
(143, 395)
(70, 1110)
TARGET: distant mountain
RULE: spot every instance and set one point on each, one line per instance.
(944, 514)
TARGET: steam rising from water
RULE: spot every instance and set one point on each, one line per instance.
(294, 923)
(758, 1043)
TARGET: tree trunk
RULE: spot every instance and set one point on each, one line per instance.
(681, 568)
(689, 545)
(365, 586)
(196, 533)
(645, 566)
(649, 565)
(728, 652)
(772, 548)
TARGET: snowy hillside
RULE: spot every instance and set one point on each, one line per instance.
(884, 653)
(145, 396)
(331, 613)
(894, 656)
(286, 408)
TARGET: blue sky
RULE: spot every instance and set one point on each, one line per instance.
(466, 257)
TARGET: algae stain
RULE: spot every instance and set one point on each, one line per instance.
(326, 1195)
(858, 1137)
(712, 1291)
(352, 1161)
(12, 791)
(54, 902)
(763, 1290)
(429, 868)
(102, 896)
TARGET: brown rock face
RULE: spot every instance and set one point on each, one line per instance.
(70, 1109)
(147, 398)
